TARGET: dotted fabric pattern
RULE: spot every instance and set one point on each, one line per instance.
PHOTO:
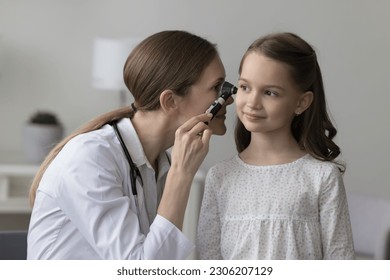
(296, 210)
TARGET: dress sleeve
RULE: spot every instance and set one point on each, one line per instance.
(336, 232)
(209, 229)
(91, 196)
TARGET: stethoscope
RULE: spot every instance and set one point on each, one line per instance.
(134, 171)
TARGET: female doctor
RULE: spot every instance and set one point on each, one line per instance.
(110, 190)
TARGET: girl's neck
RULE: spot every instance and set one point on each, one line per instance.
(268, 150)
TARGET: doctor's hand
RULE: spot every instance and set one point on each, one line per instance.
(189, 150)
(191, 144)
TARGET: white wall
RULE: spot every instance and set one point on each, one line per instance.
(47, 57)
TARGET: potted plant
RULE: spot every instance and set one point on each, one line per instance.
(41, 133)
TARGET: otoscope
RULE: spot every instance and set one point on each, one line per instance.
(227, 89)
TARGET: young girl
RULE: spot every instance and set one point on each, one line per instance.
(282, 196)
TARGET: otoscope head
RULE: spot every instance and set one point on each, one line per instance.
(227, 90)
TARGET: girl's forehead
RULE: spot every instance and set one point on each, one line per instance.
(260, 67)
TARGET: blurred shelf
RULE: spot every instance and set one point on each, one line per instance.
(9, 173)
(15, 205)
(18, 169)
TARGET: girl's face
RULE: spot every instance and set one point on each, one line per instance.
(203, 93)
(267, 98)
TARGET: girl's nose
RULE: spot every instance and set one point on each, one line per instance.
(254, 101)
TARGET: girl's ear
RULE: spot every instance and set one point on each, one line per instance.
(168, 101)
(304, 102)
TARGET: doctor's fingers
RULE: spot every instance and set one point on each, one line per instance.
(189, 124)
(189, 151)
(192, 146)
(200, 131)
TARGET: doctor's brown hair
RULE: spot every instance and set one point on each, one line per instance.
(312, 129)
(171, 60)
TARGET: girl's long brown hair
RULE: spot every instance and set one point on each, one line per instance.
(166, 60)
(313, 129)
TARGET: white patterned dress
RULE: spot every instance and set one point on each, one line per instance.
(296, 210)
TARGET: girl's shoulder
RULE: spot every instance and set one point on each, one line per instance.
(306, 164)
(312, 161)
(324, 169)
(224, 166)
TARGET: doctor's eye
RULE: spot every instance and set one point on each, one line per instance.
(218, 87)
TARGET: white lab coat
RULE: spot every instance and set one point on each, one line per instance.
(84, 208)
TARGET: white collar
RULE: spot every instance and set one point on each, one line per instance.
(134, 146)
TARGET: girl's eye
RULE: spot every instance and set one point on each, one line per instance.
(270, 93)
(245, 88)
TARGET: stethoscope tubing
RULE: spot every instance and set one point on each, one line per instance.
(134, 171)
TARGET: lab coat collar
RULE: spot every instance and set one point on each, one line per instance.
(134, 146)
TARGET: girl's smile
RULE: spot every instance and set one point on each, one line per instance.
(253, 117)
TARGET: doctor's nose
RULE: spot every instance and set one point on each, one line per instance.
(229, 101)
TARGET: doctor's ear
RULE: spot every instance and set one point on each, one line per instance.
(304, 102)
(168, 101)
